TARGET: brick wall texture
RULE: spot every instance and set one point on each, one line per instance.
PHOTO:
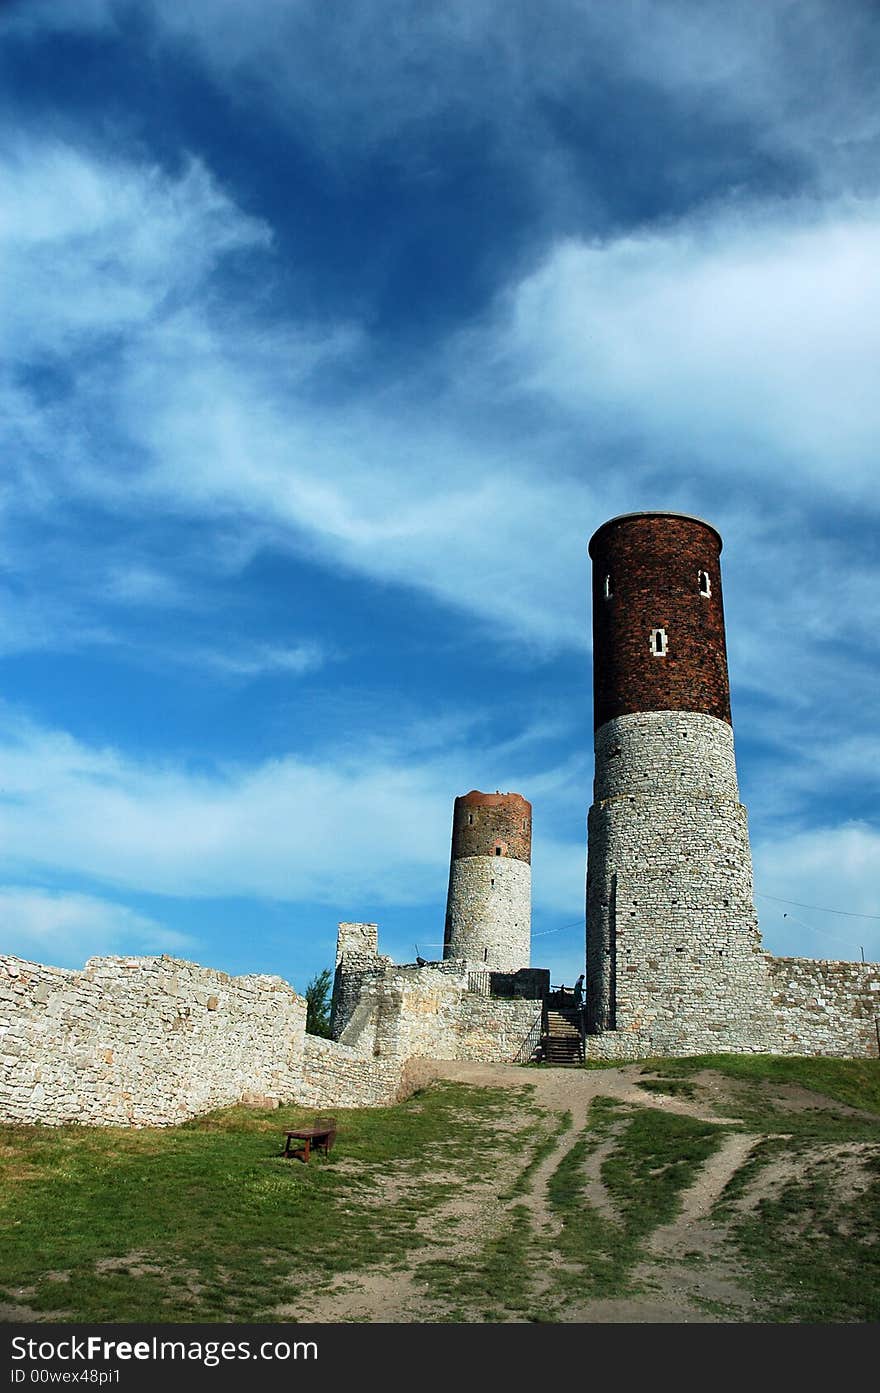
(652, 563)
(481, 822)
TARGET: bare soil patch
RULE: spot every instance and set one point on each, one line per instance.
(677, 1288)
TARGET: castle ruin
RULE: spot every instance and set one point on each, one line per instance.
(675, 963)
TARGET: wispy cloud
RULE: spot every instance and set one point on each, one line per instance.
(174, 405)
(64, 928)
(795, 73)
(261, 659)
(363, 823)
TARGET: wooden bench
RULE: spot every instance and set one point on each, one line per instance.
(321, 1135)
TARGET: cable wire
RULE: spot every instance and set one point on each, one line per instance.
(849, 913)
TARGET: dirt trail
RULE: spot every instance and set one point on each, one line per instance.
(474, 1214)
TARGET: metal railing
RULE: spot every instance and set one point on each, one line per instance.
(531, 1041)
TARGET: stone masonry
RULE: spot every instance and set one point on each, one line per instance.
(674, 953)
(428, 1012)
(142, 1041)
(155, 1041)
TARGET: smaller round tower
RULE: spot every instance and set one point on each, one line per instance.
(488, 909)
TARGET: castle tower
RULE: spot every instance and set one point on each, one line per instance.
(674, 953)
(488, 909)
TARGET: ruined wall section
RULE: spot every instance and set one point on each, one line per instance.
(335, 1075)
(494, 1029)
(429, 1013)
(357, 961)
(417, 1010)
(142, 1041)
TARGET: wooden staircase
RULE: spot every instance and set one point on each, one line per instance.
(561, 1043)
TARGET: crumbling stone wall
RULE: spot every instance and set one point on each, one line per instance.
(142, 1041)
(154, 1041)
(494, 1029)
(429, 1013)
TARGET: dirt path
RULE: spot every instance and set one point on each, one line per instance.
(676, 1288)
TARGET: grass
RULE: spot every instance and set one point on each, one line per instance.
(812, 1248)
(853, 1082)
(207, 1222)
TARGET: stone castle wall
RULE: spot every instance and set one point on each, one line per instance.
(155, 1041)
(815, 1008)
(142, 1041)
(494, 1029)
(353, 972)
(341, 1076)
(821, 1007)
(429, 1013)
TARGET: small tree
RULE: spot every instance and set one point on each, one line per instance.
(318, 1004)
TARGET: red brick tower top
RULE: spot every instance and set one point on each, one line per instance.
(658, 617)
(492, 824)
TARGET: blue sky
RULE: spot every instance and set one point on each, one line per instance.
(330, 335)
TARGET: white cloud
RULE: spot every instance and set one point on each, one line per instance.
(64, 928)
(260, 659)
(793, 76)
(745, 340)
(365, 823)
(204, 410)
(284, 830)
(95, 250)
(731, 348)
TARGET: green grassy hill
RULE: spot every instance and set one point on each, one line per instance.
(741, 1188)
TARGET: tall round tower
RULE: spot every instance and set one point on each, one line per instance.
(488, 908)
(674, 954)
